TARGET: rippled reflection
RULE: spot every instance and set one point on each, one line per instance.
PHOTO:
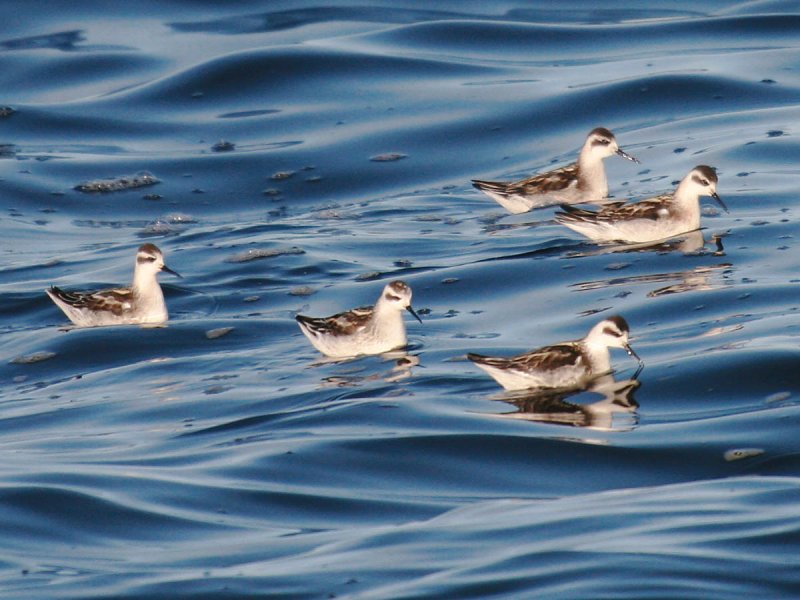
(616, 411)
(688, 243)
(402, 368)
(708, 277)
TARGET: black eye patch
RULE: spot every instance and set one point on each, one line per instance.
(144, 259)
(602, 142)
(392, 297)
(611, 332)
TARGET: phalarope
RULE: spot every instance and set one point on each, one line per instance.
(583, 181)
(366, 330)
(564, 365)
(141, 303)
(649, 220)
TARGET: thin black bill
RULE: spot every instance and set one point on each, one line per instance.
(413, 312)
(168, 270)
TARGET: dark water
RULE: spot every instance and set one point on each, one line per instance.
(307, 155)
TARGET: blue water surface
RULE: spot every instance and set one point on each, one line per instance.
(307, 153)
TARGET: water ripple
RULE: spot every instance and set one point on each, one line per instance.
(304, 156)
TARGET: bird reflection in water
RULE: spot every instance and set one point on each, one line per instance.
(692, 242)
(699, 278)
(402, 368)
(615, 411)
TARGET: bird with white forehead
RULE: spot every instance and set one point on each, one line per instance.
(582, 181)
(565, 365)
(650, 220)
(366, 330)
(142, 303)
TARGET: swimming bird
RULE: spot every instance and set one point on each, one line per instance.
(141, 303)
(366, 330)
(649, 220)
(583, 181)
(564, 365)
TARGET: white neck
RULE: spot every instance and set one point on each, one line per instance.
(388, 312)
(688, 200)
(386, 328)
(146, 290)
(148, 299)
(599, 357)
(686, 192)
(144, 281)
(592, 175)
